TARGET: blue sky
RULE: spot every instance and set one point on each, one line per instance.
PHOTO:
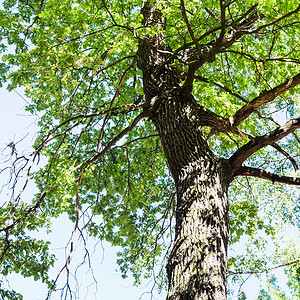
(15, 123)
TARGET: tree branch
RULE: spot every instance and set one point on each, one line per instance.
(216, 122)
(263, 98)
(249, 171)
(114, 111)
(191, 32)
(223, 23)
(211, 31)
(277, 20)
(9, 228)
(113, 141)
(112, 102)
(221, 86)
(206, 53)
(259, 142)
(287, 155)
(249, 56)
(237, 32)
(266, 270)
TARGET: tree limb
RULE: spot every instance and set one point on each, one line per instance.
(112, 102)
(187, 46)
(216, 122)
(259, 173)
(223, 23)
(263, 98)
(287, 155)
(259, 142)
(284, 59)
(113, 111)
(266, 270)
(206, 53)
(191, 32)
(221, 86)
(113, 141)
(277, 20)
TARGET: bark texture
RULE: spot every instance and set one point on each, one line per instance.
(197, 264)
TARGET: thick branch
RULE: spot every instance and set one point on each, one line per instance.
(263, 98)
(214, 121)
(249, 171)
(259, 142)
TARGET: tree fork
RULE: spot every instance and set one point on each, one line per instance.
(198, 262)
(197, 266)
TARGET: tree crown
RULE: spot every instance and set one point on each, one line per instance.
(81, 65)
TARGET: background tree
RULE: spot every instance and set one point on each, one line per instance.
(148, 112)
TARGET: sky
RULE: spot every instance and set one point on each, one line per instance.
(15, 124)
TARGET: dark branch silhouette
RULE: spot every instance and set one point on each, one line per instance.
(249, 171)
(263, 98)
(259, 142)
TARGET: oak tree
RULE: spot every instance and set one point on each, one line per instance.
(168, 128)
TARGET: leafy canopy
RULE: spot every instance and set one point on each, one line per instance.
(105, 166)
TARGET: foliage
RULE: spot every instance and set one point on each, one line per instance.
(77, 62)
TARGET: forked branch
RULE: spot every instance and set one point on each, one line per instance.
(259, 142)
(263, 98)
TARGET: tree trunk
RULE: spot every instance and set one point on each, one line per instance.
(197, 264)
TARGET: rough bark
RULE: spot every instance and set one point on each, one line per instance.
(197, 263)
